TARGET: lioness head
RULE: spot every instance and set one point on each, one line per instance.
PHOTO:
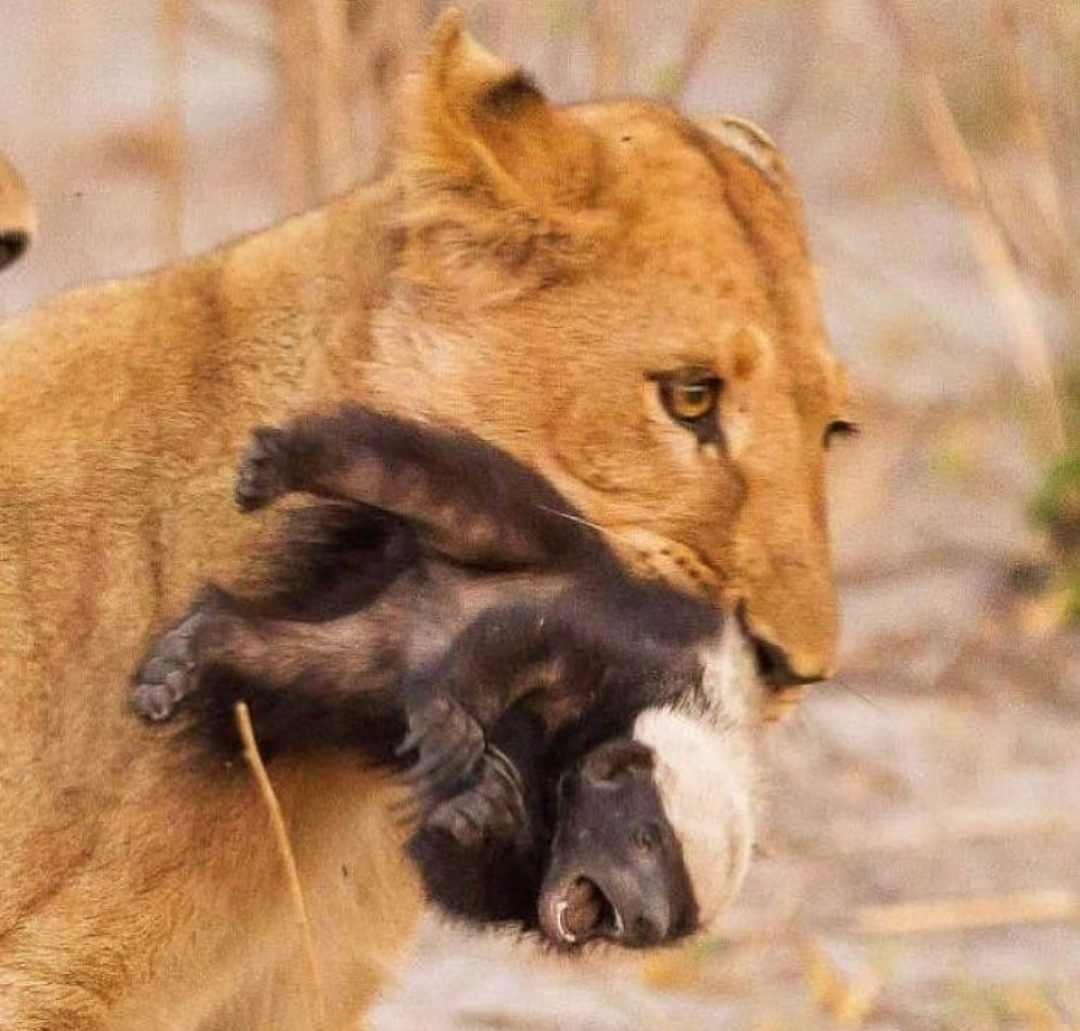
(17, 216)
(623, 298)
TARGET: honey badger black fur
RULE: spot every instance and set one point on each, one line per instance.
(567, 735)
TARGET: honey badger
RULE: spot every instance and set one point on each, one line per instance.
(578, 753)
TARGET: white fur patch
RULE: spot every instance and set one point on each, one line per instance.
(706, 772)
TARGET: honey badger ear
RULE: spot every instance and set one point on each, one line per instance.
(617, 760)
(18, 218)
(486, 160)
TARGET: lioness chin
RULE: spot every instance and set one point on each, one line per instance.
(619, 297)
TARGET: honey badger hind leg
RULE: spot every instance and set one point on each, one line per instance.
(305, 684)
(170, 671)
(263, 474)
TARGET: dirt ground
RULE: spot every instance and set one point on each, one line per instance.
(921, 864)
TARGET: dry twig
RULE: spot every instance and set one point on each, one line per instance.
(1034, 130)
(608, 29)
(294, 52)
(336, 134)
(705, 23)
(1032, 907)
(288, 859)
(961, 177)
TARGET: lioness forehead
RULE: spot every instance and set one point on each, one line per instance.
(711, 221)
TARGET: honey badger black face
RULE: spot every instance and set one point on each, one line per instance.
(616, 871)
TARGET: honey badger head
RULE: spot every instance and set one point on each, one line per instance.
(654, 830)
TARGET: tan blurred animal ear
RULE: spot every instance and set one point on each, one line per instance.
(18, 218)
(750, 141)
(485, 156)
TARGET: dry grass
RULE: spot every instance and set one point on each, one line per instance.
(288, 861)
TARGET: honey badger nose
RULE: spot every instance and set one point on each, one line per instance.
(644, 917)
(643, 930)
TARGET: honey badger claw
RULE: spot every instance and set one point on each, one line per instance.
(448, 742)
(168, 674)
(493, 809)
(261, 475)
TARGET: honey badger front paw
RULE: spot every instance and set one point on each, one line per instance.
(493, 809)
(169, 673)
(448, 744)
(262, 475)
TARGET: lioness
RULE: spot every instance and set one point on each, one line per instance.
(616, 296)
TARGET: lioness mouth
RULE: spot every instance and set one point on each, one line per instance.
(580, 911)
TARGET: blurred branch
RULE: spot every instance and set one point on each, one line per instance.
(171, 124)
(791, 82)
(705, 23)
(961, 177)
(312, 46)
(215, 24)
(1044, 190)
(608, 31)
(1049, 905)
(336, 135)
(295, 51)
(288, 858)
(382, 37)
(1033, 118)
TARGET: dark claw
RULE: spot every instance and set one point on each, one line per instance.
(169, 673)
(261, 475)
(438, 771)
(494, 808)
(448, 744)
(153, 702)
(462, 826)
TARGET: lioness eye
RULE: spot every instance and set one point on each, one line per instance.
(840, 428)
(647, 837)
(690, 397)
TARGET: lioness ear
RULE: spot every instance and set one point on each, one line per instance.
(18, 219)
(750, 141)
(484, 154)
(759, 183)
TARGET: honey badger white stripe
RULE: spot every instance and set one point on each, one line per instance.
(706, 772)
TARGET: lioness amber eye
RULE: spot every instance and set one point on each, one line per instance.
(690, 397)
(840, 428)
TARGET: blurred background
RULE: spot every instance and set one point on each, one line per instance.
(921, 868)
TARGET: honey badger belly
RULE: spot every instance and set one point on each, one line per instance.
(541, 686)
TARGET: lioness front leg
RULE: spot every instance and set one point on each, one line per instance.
(467, 500)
